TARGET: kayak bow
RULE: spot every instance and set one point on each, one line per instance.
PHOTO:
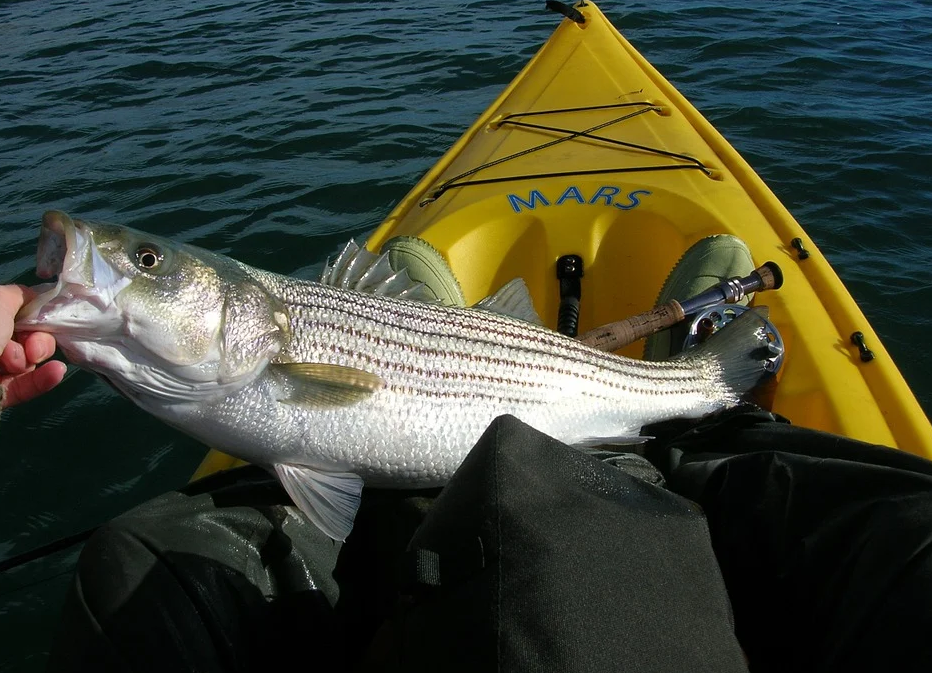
(591, 152)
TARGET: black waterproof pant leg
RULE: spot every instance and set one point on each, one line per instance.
(568, 563)
(212, 579)
(825, 544)
(822, 544)
(227, 575)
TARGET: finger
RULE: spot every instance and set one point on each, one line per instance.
(38, 346)
(27, 386)
(12, 297)
(13, 359)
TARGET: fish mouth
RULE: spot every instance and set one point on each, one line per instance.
(58, 239)
(86, 283)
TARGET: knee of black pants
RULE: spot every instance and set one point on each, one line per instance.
(199, 582)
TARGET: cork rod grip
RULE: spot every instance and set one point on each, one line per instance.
(616, 335)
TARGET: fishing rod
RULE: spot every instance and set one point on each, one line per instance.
(46, 550)
(616, 335)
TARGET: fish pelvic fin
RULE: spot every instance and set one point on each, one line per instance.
(513, 299)
(321, 385)
(744, 350)
(328, 499)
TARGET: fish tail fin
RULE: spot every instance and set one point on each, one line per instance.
(746, 350)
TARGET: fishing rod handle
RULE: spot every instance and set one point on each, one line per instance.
(616, 335)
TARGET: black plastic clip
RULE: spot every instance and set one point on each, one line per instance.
(798, 244)
(866, 353)
(569, 12)
(569, 271)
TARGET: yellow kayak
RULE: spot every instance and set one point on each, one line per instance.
(591, 152)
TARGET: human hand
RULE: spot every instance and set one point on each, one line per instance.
(20, 377)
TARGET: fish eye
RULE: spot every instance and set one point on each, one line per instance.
(148, 258)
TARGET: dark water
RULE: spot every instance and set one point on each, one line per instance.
(274, 131)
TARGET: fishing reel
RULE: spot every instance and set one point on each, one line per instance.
(710, 310)
(710, 320)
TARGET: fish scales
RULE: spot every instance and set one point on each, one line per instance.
(455, 347)
(473, 330)
(331, 386)
(357, 331)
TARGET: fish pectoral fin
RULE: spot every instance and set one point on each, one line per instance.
(513, 299)
(620, 440)
(323, 385)
(328, 499)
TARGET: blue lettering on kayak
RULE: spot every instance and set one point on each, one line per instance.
(531, 203)
(607, 193)
(604, 195)
(571, 193)
(633, 200)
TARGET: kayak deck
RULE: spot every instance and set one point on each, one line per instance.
(590, 151)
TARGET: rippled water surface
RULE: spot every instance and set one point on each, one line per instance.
(274, 131)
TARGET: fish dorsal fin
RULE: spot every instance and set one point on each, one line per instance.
(322, 385)
(513, 299)
(356, 268)
(328, 499)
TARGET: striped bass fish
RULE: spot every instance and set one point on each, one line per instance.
(352, 380)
